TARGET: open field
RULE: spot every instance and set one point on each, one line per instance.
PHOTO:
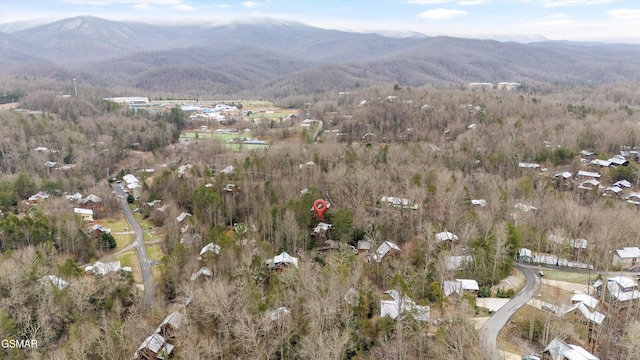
(572, 277)
(122, 240)
(224, 138)
(116, 225)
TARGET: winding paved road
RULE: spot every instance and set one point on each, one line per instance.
(143, 259)
(492, 327)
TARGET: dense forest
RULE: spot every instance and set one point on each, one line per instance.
(438, 147)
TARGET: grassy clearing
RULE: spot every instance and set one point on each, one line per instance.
(117, 225)
(130, 258)
(123, 240)
(154, 252)
(572, 277)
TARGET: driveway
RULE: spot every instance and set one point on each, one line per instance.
(143, 259)
(492, 327)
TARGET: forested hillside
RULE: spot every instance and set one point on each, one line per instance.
(436, 147)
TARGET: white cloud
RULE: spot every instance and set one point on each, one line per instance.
(625, 14)
(252, 4)
(554, 3)
(557, 16)
(137, 3)
(224, 6)
(427, 2)
(141, 6)
(472, 2)
(440, 13)
(184, 7)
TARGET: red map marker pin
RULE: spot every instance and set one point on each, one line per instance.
(319, 206)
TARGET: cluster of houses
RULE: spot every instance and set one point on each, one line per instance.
(591, 180)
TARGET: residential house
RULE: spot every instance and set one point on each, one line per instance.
(154, 347)
(461, 287)
(446, 236)
(589, 184)
(399, 202)
(618, 160)
(55, 281)
(621, 292)
(97, 228)
(75, 197)
(180, 218)
(384, 249)
(101, 268)
(204, 271)
(85, 214)
(559, 350)
(586, 299)
(525, 255)
(38, 197)
(622, 184)
(586, 175)
(627, 258)
(402, 304)
(321, 228)
(209, 248)
(611, 191)
(282, 260)
(364, 246)
(169, 325)
(132, 184)
(92, 202)
(633, 198)
(600, 162)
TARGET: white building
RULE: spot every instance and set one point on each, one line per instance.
(628, 258)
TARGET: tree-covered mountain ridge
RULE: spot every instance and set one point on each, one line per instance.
(286, 58)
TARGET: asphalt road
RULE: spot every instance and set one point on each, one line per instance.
(143, 259)
(492, 327)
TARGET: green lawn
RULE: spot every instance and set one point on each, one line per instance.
(572, 277)
(125, 259)
(117, 225)
(130, 258)
(123, 240)
(224, 138)
(154, 252)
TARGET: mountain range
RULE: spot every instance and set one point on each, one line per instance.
(278, 58)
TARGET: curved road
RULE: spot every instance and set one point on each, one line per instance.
(145, 264)
(492, 327)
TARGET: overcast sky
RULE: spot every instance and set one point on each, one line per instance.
(581, 20)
